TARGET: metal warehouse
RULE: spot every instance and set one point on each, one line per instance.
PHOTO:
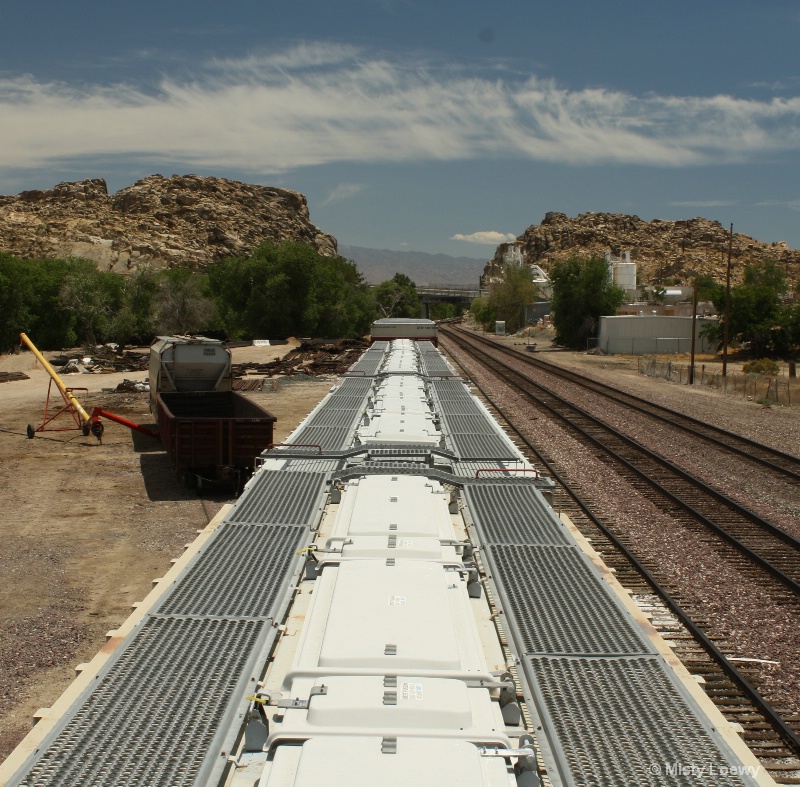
(650, 334)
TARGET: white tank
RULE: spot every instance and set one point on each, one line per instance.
(625, 274)
(189, 363)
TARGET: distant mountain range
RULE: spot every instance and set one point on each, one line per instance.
(378, 265)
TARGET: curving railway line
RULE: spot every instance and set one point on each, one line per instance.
(775, 733)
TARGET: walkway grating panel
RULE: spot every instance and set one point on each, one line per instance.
(328, 438)
(450, 390)
(353, 386)
(281, 498)
(152, 718)
(514, 514)
(478, 423)
(452, 407)
(623, 722)
(241, 572)
(355, 403)
(482, 446)
(370, 362)
(559, 606)
(334, 418)
(434, 364)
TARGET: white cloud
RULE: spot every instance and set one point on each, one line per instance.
(344, 191)
(790, 204)
(710, 203)
(319, 103)
(486, 238)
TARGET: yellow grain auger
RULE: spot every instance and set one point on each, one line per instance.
(86, 422)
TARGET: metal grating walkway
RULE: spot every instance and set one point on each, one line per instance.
(169, 703)
(612, 710)
(560, 606)
(353, 386)
(239, 574)
(514, 514)
(482, 446)
(370, 362)
(451, 391)
(335, 418)
(155, 714)
(280, 498)
(432, 364)
(328, 438)
(477, 423)
(622, 722)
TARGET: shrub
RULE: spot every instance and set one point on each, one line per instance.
(764, 366)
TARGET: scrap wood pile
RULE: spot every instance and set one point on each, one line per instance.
(313, 357)
(104, 359)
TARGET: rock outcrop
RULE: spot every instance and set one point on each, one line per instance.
(666, 252)
(181, 221)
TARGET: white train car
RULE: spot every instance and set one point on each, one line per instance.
(417, 330)
(391, 602)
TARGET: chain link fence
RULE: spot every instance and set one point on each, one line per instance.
(767, 389)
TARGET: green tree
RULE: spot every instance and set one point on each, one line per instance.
(180, 303)
(708, 289)
(289, 289)
(397, 297)
(758, 317)
(136, 317)
(16, 296)
(790, 322)
(766, 274)
(344, 304)
(444, 311)
(484, 313)
(30, 302)
(509, 296)
(93, 296)
(582, 293)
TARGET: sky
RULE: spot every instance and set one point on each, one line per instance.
(444, 126)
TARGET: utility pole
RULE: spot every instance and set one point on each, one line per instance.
(694, 330)
(727, 307)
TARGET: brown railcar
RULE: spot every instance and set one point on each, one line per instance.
(213, 436)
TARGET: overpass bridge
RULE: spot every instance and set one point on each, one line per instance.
(447, 293)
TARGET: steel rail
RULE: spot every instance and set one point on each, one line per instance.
(786, 733)
(715, 435)
(754, 556)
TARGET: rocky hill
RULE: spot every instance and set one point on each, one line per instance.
(666, 252)
(187, 221)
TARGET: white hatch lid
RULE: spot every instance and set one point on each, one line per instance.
(375, 762)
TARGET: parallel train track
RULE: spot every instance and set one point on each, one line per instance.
(772, 733)
(757, 453)
(685, 496)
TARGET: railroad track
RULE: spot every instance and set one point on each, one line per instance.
(773, 733)
(749, 450)
(682, 495)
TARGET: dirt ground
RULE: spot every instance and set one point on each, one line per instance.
(88, 526)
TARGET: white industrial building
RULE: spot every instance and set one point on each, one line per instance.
(652, 334)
